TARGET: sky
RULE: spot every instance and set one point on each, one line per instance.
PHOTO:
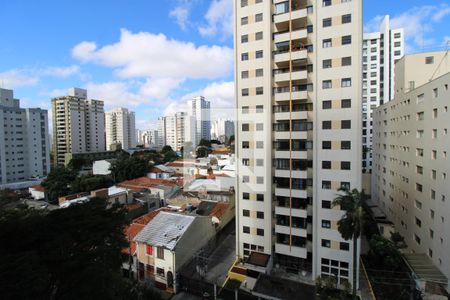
(150, 56)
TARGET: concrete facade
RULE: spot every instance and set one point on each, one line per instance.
(120, 125)
(298, 130)
(25, 145)
(410, 180)
(200, 109)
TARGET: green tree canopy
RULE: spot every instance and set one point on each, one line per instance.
(385, 252)
(202, 151)
(8, 197)
(58, 182)
(204, 143)
(87, 183)
(126, 168)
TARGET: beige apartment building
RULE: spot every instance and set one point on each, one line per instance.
(411, 146)
(78, 125)
(120, 126)
(298, 131)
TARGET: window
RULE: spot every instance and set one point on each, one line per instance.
(417, 239)
(259, 145)
(345, 165)
(326, 243)
(160, 272)
(346, 19)
(245, 109)
(418, 222)
(346, 82)
(344, 246)
(244, 56)
(244, 38)
(245, 162)
(326, 224)
(260, 180)
(346, 61)
(244, 92)
(259, 109)
(259, 197)
(259, 35)
(326, 204)
(429, 60)
(258, 17)
(259, 126)
(326, 84)
(244, 21)
(259, 72)
(246, 229)
(327, 43)
(326, 145)
(259, 90)
(260, 214)
(259, 54)
(346, 103)
(246, 196)
(346, 145)
(259, 162)
(326, 165)
(246, 213)
(148, 250)
(245, 127)
(419, 187)
(326, 184)
(326, 64)
(346, 40)
(346, 124)
(260, 232)
(326, 22)
(244, 74)
(326, 104)
(160, 253)
(397, 35)
(326, 124)
(246, 145)
(244, 3)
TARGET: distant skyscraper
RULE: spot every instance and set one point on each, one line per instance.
(78, 124)
(222, 129)
(199, 108)
(175, 130)
(24, 140)
(120, 128)
(381, 50)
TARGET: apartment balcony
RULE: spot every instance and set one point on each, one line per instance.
(296, 251)
(290, 35)
(287, 230)
(296, 154)
(295, 95)
(284, 55)
(284, 76)
(286, 211)
(284, 17)
(285, 135)
(295, 173)
(285, 192)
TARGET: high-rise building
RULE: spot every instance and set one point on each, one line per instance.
(120, 127)
(78, 124)
(222, 129)
(25, 145)
(199, 108)
(147, 138)
(298, 131)
(176, 130)
(381, 50)
(411, 156)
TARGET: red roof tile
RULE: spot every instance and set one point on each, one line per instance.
(219, 210)
(142, 183)
(38, 188)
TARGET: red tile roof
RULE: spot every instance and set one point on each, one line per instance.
(219, 210)
(143, 183)
(38, 188)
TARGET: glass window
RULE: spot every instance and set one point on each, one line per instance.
(326, 22)
(326, 43)
(346, 40)
(346, 19)
(244, 38)
(258, 17)
(244, 20)
(326, 64)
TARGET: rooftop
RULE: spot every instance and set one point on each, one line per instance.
(277, 288)
(143, 183)
(165, 230)
(258, 259)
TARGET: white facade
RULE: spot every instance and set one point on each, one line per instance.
(78, 125)
(176, 130)
(298, 130)
(24, 146)
(200, 109)
(101, 167)
(147, 138)
(120, 127)
(381, 50)
(222, 129)
(410, 179)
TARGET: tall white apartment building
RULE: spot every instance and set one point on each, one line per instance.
(411, 168)
(381, 50)
(298, 131)
(200, 109)
(120, 127)
(78, 124)
(176, 130)
(148, 137)
(25, 145)
(222, 129)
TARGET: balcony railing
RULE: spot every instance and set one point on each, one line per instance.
(295, 88)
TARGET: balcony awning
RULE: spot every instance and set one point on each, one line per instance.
(424, 269)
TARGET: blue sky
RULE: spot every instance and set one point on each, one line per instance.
(151, 55)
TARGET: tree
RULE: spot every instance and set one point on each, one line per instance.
(58, 182)
(385, 252)
(204, 143)
(126, 168)
(72, 253)
(202, 151)
(213, 161)
(169, 154)
(8, 197)
(87, 183)
(351, 224)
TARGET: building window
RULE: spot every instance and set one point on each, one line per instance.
(326, 224)
(327, 84)
(346, 40)
(327, 43)
(245, 179)
(244, 38)
(246, 145)
(346, 124)
(326, 3)
(326, 22)
(244, 74)
(160, 272)
(245, 127)
(244, 3)
(259, 90)
(344, 246)
(346, 82)
(244, 56)
(346, 19)
(244, 21)
(259, 54)
(160, 253)
(260, 180)
(246, 196)
(245, 162)
(326, 124)
(258, 17)
(260, 197)
(326, 243)
(326, 104)
(326, 204)
(326, 165)
(246, 229)
(259, 145)
(326, 64)
(148, 249)
(345, 165)
(259, 35)
(346, 61)
(244, 92)
(326, 145)
(260, 232)
(259, 126)
(246, 213)
(429, 60)
(259, 162)
(346, 103)
(260, 214)
(326, 185)
(259, 72)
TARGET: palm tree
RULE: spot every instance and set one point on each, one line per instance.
(351, 223)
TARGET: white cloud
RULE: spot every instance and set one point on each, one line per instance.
(418, 23)
(159, 88)
(62, 72)
(146, 54)
(219, 18)
(181, 16)
(114, 93)
(17, 78)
